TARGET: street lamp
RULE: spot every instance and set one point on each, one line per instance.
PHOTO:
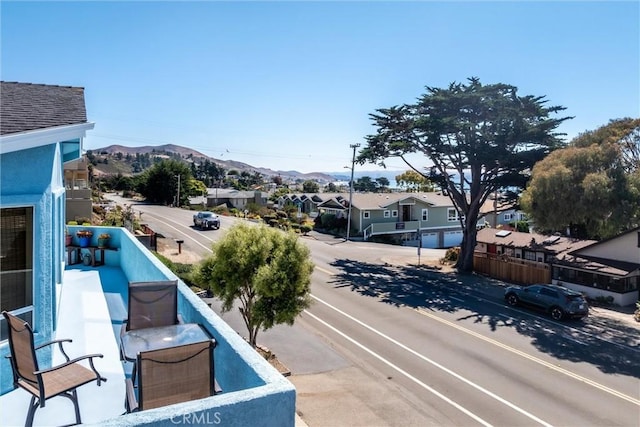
(353, 162)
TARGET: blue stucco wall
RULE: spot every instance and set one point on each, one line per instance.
(27, 179)
(254, 393)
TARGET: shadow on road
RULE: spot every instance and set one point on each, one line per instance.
(607, 343)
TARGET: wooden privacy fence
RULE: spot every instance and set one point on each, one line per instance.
(514, 270)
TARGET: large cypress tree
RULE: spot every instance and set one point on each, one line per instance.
(476, 139)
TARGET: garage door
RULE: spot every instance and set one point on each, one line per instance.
(430, 240)
(452, 238)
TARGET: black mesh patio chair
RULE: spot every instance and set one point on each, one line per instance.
(43, 384)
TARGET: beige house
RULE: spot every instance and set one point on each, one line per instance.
(78, 190)
(609, 269)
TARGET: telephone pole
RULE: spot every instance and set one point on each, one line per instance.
(353, 162)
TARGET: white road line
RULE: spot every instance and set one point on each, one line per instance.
(406, 374)
(155, 218)
(434, 363)
(533, 358)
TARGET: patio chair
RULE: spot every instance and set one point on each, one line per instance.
(152, 304)
(172, 375)
(43, 384)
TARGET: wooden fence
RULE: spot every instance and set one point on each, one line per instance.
(514, 270)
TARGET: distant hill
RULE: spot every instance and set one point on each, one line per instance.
(187, 154)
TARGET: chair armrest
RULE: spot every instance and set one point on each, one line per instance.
(131, 401)
(216, 387)
(90, 357)
(59, 342)
(180, 319)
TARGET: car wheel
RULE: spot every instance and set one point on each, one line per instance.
(557, 313)
(512, 300)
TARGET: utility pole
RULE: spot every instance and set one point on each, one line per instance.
(353, 162)
(178, 201)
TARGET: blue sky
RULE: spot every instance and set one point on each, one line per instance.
(289, 85)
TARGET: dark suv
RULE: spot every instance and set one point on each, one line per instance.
(558, 301)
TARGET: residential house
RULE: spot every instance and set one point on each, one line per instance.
(42, 282)
(608, 269)
(78, 190)
(235, 198)
(426, 219)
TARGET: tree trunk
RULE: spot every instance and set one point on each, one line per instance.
(467, 248)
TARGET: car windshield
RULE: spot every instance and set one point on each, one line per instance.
(207, 214)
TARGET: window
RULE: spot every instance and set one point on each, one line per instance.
(16, 250)
(366, 214)
(531, 256)
(508, 217)
(394, 213)
(425, 214)
(387, 214)
(452, 215)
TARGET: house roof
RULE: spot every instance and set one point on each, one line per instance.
(557, 245)
(566, 250)
(27, 106)
(375, 201)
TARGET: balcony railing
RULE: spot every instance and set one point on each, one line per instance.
(254, 393)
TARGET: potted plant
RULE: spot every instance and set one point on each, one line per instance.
(84, 237)
(103, 240)
(68, 238)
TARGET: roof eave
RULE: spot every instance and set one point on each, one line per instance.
(41, 137)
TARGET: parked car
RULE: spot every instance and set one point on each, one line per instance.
(206, 220)
(558, 301)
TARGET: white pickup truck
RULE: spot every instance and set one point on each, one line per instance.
(207, 220)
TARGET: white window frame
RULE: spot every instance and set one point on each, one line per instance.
(425, 214)
(366, 214)
(394, 213)
(387, 214)
(508, 216)
(452, 215)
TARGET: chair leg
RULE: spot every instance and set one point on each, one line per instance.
(73, 396)
(32, 410)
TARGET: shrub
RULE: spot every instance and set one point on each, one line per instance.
(452, 254)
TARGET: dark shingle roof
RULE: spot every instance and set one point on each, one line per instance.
(27, 106)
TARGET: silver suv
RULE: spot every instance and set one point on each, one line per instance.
(558, 301)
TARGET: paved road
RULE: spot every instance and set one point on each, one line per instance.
(392, 345)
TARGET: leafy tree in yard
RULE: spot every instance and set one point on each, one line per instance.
(310, 187)
(479, 139)
(382, 184)
(160, 182)
(598, 178)
(266, 270)
(413, 181)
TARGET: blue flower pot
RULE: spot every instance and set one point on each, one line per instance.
(84, 241)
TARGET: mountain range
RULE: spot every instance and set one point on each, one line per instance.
(188, 153)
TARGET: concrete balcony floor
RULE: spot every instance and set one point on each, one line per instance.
(87, 302)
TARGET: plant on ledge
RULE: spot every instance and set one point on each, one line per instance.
(103, 240)
(84, 233)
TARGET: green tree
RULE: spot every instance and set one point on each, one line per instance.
(310, 186)
(160, 182)
(330, 188)
(382, 183)
(266, 270)
(413, 181)
(479, 139)
(365, 184)
(597, 178)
